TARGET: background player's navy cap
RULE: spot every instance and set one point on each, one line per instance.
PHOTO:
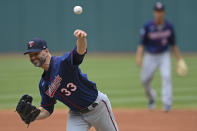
(159, 6)
(36, 45)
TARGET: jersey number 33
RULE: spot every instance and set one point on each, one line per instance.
(70, 87)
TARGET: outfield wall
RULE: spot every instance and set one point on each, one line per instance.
(112, 25)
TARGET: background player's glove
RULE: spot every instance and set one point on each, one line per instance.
(181, 68)
(26, 110)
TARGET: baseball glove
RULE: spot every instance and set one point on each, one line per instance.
(181, 68)
(26, 110)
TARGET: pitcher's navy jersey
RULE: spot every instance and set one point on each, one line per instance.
(65, 82)
(156, 39)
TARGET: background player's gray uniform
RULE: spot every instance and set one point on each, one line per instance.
(156, 40)
(150, 64)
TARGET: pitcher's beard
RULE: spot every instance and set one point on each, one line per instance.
(39, 62)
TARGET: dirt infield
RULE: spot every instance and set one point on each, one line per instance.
(127, 119)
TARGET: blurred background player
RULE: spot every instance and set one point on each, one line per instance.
(156, 37)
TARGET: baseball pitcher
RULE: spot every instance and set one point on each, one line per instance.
(63, 80)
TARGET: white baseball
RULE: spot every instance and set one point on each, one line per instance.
(77, 10)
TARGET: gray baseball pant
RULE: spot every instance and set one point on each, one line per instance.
(150, 63)
(101, 117)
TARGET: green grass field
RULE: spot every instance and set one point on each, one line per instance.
(115, 75)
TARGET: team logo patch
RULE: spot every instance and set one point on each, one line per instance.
(54, 86)
(31, 44)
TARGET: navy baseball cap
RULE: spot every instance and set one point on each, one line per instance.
(159, 6)
(36, 45)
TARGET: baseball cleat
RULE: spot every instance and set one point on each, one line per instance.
(151, 105)
(167, 108)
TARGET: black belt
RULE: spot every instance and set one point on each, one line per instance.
(86, 110)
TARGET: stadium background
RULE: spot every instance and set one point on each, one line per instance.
(113, 33)
(112, 25)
